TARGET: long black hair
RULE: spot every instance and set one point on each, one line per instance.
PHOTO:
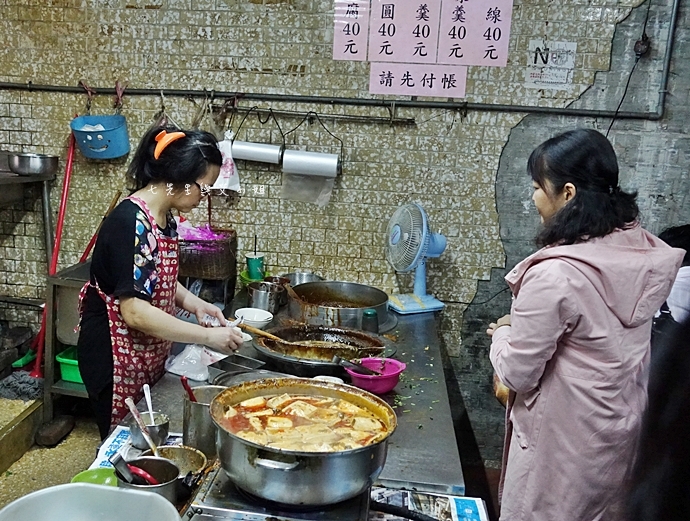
(585, 158)
(659, 487)
(678, 237)
(182, 162)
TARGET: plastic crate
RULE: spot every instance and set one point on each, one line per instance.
(69, 367)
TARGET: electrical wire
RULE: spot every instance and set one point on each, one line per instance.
(643, 38)
(625, 91)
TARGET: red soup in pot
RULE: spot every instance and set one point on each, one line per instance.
(303, 423)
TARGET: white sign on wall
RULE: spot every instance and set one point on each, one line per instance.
(550, 64)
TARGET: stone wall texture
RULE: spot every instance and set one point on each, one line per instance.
(465, 167)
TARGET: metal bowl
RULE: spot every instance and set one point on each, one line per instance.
(301, 277)
(33, 164)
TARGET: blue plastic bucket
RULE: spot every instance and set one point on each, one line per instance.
(111, 142)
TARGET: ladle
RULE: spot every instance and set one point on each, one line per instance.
(130, 473)
(188, 388)
(142, 425)
(147, 395)
(357, 368)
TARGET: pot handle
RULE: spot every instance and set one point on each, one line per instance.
(276, 465)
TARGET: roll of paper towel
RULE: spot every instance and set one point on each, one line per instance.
(257, 152)
(310, 163)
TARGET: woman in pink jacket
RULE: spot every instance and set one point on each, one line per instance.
(574, 350)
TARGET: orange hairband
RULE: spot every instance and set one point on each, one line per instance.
(163, 139)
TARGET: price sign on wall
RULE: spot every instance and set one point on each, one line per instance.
(418, 80)
(404, 31)
(351, 30)
(475, 33)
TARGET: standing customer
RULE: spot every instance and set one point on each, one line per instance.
(679, 299)
(574, 350)
(660, 483)
(128, 305)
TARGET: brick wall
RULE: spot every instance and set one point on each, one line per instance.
(466, 169)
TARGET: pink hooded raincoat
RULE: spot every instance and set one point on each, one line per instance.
(576, 357)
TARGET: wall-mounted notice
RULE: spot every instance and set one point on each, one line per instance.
(550, 64)
(417, 80)
(404, 31)
(475, 32)
(351, 30)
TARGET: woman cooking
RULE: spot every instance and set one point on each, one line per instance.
(127, 307)
(574, 350)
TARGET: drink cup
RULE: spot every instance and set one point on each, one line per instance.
(255, 265)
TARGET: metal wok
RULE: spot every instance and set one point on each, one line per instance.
(288, 359)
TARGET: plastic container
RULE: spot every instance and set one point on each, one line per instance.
(98, 476)
(390, 369)
(86, 502)
(69, 367)
(109, 143)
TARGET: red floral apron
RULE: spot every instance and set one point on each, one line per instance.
(140, 358)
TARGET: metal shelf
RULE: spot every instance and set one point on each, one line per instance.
(70, 388)
(70, 278)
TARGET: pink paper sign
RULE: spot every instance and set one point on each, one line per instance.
(475, 32)
(351, 30)
(404, 31)
(408, 79)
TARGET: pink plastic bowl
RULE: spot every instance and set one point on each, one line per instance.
(390, 368)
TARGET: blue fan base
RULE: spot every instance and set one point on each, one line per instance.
(409, 303)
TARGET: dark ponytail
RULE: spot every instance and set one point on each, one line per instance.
(585, 158)
(181, 162)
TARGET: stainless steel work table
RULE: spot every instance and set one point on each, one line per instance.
(422, 452)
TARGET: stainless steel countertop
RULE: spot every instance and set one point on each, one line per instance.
(422, 452)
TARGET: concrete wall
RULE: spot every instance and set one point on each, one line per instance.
(466, 169)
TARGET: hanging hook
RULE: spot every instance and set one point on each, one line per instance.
(391, 111)
(119, 93)
(90, 93)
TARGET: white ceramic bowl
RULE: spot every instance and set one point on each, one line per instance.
(255, 317)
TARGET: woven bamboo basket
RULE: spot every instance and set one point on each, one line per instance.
(209, 259)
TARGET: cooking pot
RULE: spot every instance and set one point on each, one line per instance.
(300, 478)
(281, 360)
(339, 304)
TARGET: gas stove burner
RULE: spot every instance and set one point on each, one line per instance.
(274, 506)
(219, 499)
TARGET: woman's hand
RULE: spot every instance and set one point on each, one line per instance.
(503, 321)
(204, 310)
(500, 391)
(223, 339)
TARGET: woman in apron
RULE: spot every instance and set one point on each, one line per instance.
(128, 306)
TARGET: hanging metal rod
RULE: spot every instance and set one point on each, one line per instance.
(461, 106)
(394, 120)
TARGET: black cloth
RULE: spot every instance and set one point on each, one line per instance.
(124, 267)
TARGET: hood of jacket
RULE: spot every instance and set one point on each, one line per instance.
(631, 269)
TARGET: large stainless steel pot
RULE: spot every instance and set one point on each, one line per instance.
(300, 478)
(339, 304)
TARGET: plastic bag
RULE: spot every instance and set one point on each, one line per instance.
(193, 362)
(229, 178)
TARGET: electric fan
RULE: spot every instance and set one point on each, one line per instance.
(410, 243)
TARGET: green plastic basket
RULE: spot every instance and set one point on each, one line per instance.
(69, 367)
